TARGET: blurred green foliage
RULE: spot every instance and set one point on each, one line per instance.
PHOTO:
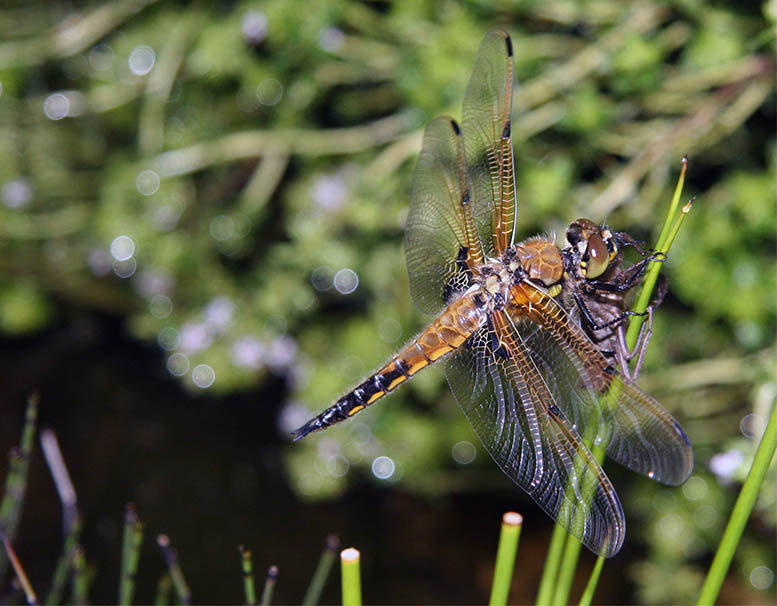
(251, 152)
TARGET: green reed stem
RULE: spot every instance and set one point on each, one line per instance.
(670, 214)
(130, 554)
(566, 573)
(64, 563)
(552, 563)
(249, 587)
(16, 480)
(669, 231)
(741, 512)
(170, 556)
(562, 583)
(80, 593)
(588, 593)
(651, 277)
(269, 585)
(163, 589)
(509, 535)
(313, 593)
(351, 577)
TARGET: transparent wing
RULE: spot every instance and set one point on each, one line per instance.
(513, 413)
(487, 127)
(642, 435)
(441, 241)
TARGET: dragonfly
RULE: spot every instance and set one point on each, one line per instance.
(596, 285)
(526, 374)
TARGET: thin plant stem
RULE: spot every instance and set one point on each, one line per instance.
(320, 576)
(651, 275)
(505, 558)
(562, 583)
(249, 586)
(174, 569)
(133, 540)
(678, 190)
(669, 231)
(552, 562)
(64, 564)
(130, 517)
(741, 512)
(80, 576)
(163, 589)
(59, 473)
(588, 593)
(269, 585)
(16, 480)
(24, 581)
(566, 573)
(351, 577)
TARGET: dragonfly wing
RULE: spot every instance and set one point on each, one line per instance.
(441, 240)
(531, 441)
(643, 436)
(487, 127)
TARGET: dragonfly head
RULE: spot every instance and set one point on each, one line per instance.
(594, 247)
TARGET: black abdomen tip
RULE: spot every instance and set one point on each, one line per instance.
(307, 428)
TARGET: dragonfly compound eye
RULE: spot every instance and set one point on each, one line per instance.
(596, 258)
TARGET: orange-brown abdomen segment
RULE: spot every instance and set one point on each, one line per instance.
(445, 334)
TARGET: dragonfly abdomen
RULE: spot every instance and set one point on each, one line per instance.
(445, 334)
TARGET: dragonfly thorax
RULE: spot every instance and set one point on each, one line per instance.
(539, 260)
(492, 281)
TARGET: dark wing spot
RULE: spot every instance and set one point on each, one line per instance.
(456, 128)
(461, 259)
(506, 130)
(497, 348)
(458, 282)
(501, 352)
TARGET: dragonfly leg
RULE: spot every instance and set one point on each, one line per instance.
(624, 355)
(591, 321)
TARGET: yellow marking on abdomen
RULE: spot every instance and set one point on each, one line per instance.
(400, 379)
(375, 396)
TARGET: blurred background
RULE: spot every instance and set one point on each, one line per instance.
(201, 219)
